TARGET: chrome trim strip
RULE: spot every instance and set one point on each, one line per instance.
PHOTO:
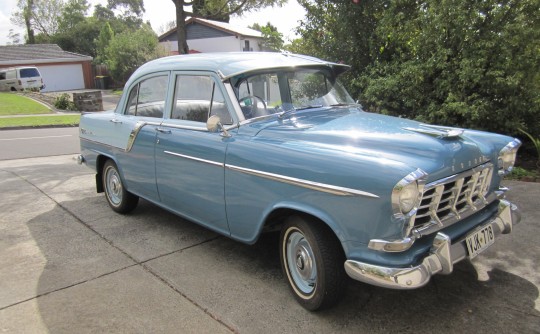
(214, 163)
(185, 127)
(100, 143)
(327, 188)
(135, 132)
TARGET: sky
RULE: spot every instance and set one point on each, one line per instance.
(159, 12)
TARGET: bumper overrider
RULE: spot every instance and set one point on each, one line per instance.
(441, 258)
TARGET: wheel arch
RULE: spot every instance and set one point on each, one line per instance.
(101, 159)
(276, 218)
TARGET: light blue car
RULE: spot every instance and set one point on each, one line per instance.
(244, 143)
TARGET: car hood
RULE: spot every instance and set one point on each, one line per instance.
(439, 151)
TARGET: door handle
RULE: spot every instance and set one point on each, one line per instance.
(114, 120)
(162, 130)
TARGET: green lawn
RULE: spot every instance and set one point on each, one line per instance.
(39, 121)
(13, 104)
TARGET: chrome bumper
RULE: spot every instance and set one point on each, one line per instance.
(441, 259)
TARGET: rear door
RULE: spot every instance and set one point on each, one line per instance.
(30, 78)
(136, 131)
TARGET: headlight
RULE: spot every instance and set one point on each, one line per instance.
(406, 193)
(408, 196)
(507, 157)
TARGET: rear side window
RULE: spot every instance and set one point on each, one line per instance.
(147, 98)
(29, 72)
(2, 75)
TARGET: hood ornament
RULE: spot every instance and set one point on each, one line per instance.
(437, 131)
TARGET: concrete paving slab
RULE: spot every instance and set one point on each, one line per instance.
(245, 287)
(128, 301)
(54, 227)
(149, 231)
(44, 248)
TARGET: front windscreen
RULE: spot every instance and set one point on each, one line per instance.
(280, 91)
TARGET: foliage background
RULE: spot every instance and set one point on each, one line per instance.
(464, 63)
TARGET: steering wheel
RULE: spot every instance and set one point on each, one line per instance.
(250, 106)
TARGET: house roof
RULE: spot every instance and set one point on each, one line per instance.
(226, 27)
(37, 53)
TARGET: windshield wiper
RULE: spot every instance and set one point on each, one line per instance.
(311, 106)
(340, 105)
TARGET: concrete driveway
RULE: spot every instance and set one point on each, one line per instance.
(68, 264)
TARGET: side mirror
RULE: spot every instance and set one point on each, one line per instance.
(213, 124)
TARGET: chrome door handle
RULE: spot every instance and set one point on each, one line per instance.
(163, 130)
(114, 120)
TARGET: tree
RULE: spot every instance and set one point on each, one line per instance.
(14, 37)
(38, 15)
(129, 50)
(454, 62)
(272, 38)
(213, 9)
(104, 39)
(73, 12)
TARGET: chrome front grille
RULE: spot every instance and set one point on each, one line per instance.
(445, 201)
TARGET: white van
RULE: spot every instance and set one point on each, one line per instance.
(20, 78)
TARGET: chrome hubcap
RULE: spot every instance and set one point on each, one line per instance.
(301, 262)
(113, 185)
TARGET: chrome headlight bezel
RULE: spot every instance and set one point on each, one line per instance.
(507, 157)
(406, 196)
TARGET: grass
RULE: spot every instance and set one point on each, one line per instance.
(522, 174)
(37, 121)
(13, 104)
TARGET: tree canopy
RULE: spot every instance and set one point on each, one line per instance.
(272, 38)
(455, 62)
(114, 34)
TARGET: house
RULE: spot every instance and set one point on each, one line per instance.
(60, 70)
(213, 36)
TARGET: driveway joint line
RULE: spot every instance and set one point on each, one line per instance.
(68, 286)
(136, 262)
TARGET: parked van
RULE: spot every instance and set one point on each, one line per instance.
(20, 78)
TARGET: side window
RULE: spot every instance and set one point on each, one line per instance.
(197, 98)
(2, 75)
(11, 74)
(147, 98)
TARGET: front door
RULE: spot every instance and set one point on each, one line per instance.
(190, 160)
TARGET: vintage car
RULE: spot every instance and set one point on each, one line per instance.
(244, 143)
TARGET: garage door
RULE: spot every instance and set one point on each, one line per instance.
(62, 77)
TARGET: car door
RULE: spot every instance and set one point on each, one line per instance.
(142, 114)
(190, 160)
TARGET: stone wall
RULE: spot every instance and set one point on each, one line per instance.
(88, 101)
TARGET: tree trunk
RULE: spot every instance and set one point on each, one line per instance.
(28, 11)
(181, 27)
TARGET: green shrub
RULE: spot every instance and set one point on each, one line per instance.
(63, 102)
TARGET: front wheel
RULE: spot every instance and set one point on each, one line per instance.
(312, 261)
(119, 199)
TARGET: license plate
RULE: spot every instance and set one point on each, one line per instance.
(478, 241)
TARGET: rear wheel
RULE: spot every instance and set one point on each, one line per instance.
(312, 260)
(119, 199)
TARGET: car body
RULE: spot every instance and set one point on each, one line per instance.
(243, 143)
(20, 78)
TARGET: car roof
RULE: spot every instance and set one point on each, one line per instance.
(229, 64)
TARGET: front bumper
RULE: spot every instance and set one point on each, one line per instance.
(441, 258)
